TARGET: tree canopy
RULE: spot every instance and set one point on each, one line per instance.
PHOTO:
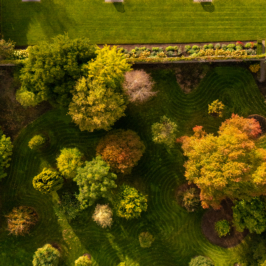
(94, 181)
(228, 165)
(5, 153)
(47, 255)
(52, 70)
(97, 99)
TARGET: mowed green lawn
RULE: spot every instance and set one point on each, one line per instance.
(135, 21)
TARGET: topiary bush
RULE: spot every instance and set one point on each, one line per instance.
(164, 132)
(103, 215)
(68, 162)
(46, 256)
(36, 142)
(145, 239)
(47, 181)
(222, 228)
(201, 261)
(83, 261)
(130, 203)
(121, 149)
(20, 220)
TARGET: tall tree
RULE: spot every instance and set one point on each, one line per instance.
(94, 181)
(52, 70)
(228, 165)
(97, 99)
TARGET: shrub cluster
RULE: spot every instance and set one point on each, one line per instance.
(222, 228)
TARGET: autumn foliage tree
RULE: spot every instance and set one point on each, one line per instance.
(138, 86)
(228, 165)
(121, 149)
(52, 70)
(97, 99)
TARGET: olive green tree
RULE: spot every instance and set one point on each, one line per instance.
(36, 142)
(46, 256)
(5, 153)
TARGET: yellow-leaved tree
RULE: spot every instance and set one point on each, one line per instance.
(98, 101)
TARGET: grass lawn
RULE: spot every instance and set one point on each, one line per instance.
(177, 233)
(135, 21)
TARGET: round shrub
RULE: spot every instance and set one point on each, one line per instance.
(164, 132)
(205, 46)
(36, 142)
(130, 203)
(121, 149)
(187, 48)
(20, 220)
(231, 45)
(195, 47)
(170, 54)
(217, 46)
(145, 239)
(238, 47)
(224, 47)
(201, 261)
(103, 215)
(222, 228)
(216, 108)
(138, 86)
(170, 48)
(248, 45)
(210, 46)
(68, 162)
(46, 256)
(190, 199)
(83, 261)
(48, 180)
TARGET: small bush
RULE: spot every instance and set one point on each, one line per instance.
(36, 142)
(6, 49)
(231, 45)
(46, 256)
(254, 68)
(217, 46)
(224, 47)
(138, 86)
(195, 47)
(145, 239)
(136, 48)
(170, 54)
(155, 49)
(103, 215)
(238, 47)
(248, 45)
(26, 98)
(47, 181)
(191, 51)
(222, 228)
(83, 261)
(205, 46)
(187, 48)
(153, 53)
(130, 203)
(143, 48)
(164, 132)
(216, 108)
(210, 46)
(229, 49)
(170, 48)
(201, 261)
(161, 54)
(250, 52)
(20, 220)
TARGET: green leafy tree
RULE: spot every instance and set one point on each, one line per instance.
(229, 165)
(5, 153)
(46, 256)
(145, 239)
(69, 205)
(130, 203)
(52, 70)
(222, 228)
(68, 162)
(36, 142)
(20, 220)
(164, 132)
(97, 100)
(251, 215)
(83, 261)
(94, 181)
(201, 261)
(47, 181)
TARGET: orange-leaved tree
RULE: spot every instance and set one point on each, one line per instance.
(229, 165)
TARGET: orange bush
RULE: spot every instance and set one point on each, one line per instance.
(121, 149)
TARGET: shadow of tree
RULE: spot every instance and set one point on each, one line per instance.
(119, 7)
(209, 7)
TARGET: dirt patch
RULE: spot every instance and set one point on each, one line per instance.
(13, 116)
(208, 226)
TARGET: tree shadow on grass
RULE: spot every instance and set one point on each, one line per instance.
(208, 7)
(119, 7)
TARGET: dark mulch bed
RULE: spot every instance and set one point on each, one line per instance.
(208, 226)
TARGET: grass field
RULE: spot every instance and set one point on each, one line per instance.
(135, 21)
(177, 233)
